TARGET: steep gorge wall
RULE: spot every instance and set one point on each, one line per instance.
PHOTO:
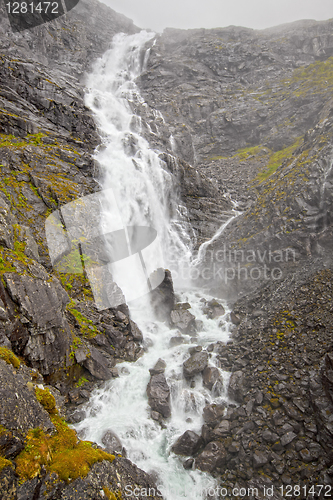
(252, 111)
(48, 318)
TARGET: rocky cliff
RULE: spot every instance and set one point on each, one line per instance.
(252, 111)
(65, 346)
(236, 114)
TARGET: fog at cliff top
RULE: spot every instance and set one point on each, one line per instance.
(258, 14)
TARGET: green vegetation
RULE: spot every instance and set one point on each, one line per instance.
(76, 343)
(10, 358)
(110, 495)
(87, 327)
(9, 257)
(81, 382)
(8, 141)
(5, 463)
(46, 399)
(77, 284)
(314, 78)
(71, 263)
(244, 153)
(277, 158)
(61, 452)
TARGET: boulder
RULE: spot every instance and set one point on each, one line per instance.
(163, 298)
(234, 318)
(136, 332)
(175, 341)
(158, 393)
(221, 430)
(116, 336)
(210, 376)
(236, 387)
(188, 464)
(188, 443)
(212, 457)
(214, 309)
(158, 368)
(195, 364)
(111, 442)
(288, 438)
(97, 364)
(11, 444)
(259, 459)
(213, 414)
(183, 320)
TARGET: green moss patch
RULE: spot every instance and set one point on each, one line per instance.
(87, 327)
(47, 400)
(61, 452)
(277, 158)
(110, 495)
(314, 78)
(5, 463)
(10, 358)
(81, 382)
(10, 141)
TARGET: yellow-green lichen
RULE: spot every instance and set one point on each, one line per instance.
(10, 358)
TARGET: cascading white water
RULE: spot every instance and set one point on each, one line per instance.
(144, 193)
(143, 189)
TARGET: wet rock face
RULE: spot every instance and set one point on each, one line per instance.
(112, 443)
(211, 377)
(210, 77)
(19, 409)
(208, 86)
(213, 413)
(163, 298)
(158, 393)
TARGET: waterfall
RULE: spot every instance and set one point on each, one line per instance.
(144, 192)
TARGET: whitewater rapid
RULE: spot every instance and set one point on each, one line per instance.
(144, 191)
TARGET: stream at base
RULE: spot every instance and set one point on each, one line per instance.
(121, 405)
(144, 191)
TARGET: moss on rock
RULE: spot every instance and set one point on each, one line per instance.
(61, 453)
(10, 358)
